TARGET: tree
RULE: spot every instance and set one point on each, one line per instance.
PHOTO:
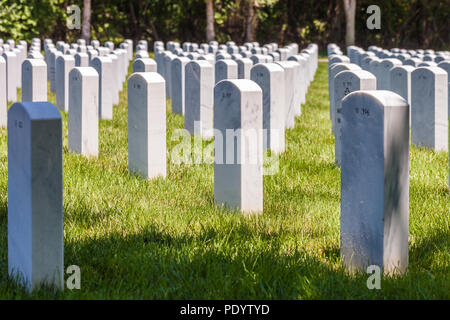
(251, 20)
(350, 9)
(210, 34)
(86, 27)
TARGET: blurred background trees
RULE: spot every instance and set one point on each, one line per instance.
(404, 23)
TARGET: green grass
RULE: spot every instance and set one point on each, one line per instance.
(166, 239)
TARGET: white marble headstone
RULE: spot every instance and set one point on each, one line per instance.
(334, 70)
(244, 67)
(384, 75)
(168, 58)
(238, 126)
(64, 64)
(81, 59)
(289, 93)
(54, 54)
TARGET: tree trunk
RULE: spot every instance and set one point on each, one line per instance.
(251, 20)
(86, 28)
(350, 9)
(210, 34)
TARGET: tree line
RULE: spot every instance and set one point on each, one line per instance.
(404, 23)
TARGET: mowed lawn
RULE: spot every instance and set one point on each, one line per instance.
(166, 239)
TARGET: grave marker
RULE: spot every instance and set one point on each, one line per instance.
(103, 66)
(199, 98)
(81, 59)
(289, 78)
(34, 80)
(384, 74)
(168, 58)
(334, 70)
(375, 181)
(238, 116)
(345, 83)
(429, 108)
(178, 84)
(226, 69)
(401, 82)
(52, 65)
(244, 67)
(144, 65)
(147, 124)
(11, 75)
(270, 77)
(3, 95)
(35, 194)
(115, 78)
